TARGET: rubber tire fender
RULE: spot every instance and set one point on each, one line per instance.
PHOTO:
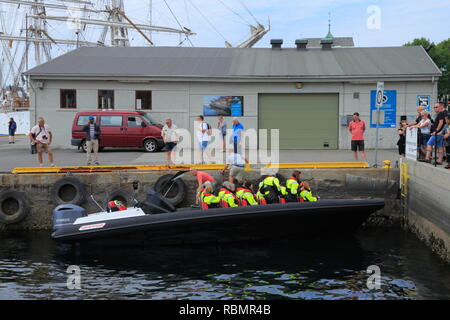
(68, 182)
(179, 185)
(124, 196)
(22, 210)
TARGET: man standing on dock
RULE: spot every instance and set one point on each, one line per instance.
(41, 135)
(92, 141)
(357, 127)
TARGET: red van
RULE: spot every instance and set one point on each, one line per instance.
(123, 129)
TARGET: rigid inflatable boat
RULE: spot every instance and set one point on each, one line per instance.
(156, 222)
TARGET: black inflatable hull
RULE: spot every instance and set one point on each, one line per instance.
(298, 220)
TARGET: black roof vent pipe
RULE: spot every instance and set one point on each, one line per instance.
(276, 43)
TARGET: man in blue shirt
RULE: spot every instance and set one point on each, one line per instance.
(237, 134)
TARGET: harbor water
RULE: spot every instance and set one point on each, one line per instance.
(32, 266)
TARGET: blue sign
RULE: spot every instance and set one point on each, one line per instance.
(388, 112)
(424, 101)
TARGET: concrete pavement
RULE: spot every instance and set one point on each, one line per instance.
(18, 155)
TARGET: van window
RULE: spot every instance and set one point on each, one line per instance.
(83, 120)
(134, 121)
(111, 121)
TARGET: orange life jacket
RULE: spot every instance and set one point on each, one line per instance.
(114, 208)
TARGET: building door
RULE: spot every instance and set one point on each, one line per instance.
(305, 121)
(112, 131)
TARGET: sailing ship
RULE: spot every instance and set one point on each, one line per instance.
(33, 32)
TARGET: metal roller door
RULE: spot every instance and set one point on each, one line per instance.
(306, 121)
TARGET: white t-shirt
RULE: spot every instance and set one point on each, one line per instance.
(427, 128)
(42, 132)
(170, 134)
(203, 136)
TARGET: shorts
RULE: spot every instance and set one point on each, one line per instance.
(237, 172)
(357, 145)
(425, 138)
(12, 133)
(432, 141)
(170, 146)
(203, 145)
(43, 147)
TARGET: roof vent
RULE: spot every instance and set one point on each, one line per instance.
(276, 43)
(301, 44)
(327, 43)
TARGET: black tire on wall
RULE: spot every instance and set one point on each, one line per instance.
(68, 190)
(14, 207)
(176, 194)
(124, 196)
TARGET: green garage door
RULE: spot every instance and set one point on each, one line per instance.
(306, 121)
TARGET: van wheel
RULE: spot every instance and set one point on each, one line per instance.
(84, 146)
(150, 145)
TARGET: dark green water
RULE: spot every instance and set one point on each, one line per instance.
(33, 267)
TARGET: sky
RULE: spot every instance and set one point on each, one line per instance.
(391, 23)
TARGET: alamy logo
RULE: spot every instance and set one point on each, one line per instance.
(374, 19)
(74, 278)
(374, 280)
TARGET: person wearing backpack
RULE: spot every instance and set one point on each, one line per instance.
(12, 127)
(204, 132)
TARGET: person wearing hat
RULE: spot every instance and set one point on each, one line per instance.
(92, 141)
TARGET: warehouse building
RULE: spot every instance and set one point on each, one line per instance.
(308, 92)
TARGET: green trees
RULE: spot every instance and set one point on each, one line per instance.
(440, 54)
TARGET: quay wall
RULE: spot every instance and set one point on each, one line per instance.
(328, 183)
(426, 204)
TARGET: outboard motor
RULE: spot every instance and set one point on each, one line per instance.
(155, 203)
(66, 214)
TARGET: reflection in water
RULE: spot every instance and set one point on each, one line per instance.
(33, 267)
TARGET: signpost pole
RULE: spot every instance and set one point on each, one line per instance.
(379, 104)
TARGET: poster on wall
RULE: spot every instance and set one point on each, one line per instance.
(388, 112)
(227, 106)
(424, 101)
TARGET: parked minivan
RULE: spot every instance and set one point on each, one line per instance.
(119, 129)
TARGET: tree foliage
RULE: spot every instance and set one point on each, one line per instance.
(440, 53)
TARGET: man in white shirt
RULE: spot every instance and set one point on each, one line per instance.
(41, 135)
(171, 138)
(203, 137)
(236, 164)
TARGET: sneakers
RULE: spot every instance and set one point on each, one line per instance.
(88, 164)
(97, 163)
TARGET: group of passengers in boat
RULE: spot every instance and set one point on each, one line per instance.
(243, 193)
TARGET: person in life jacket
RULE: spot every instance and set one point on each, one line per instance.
(116, 205)
(208, 199)
(306, 193)
(270, 189)
(245, 195)
(227, 196)
(293, 187)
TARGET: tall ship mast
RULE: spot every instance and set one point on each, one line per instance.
(33, 32)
